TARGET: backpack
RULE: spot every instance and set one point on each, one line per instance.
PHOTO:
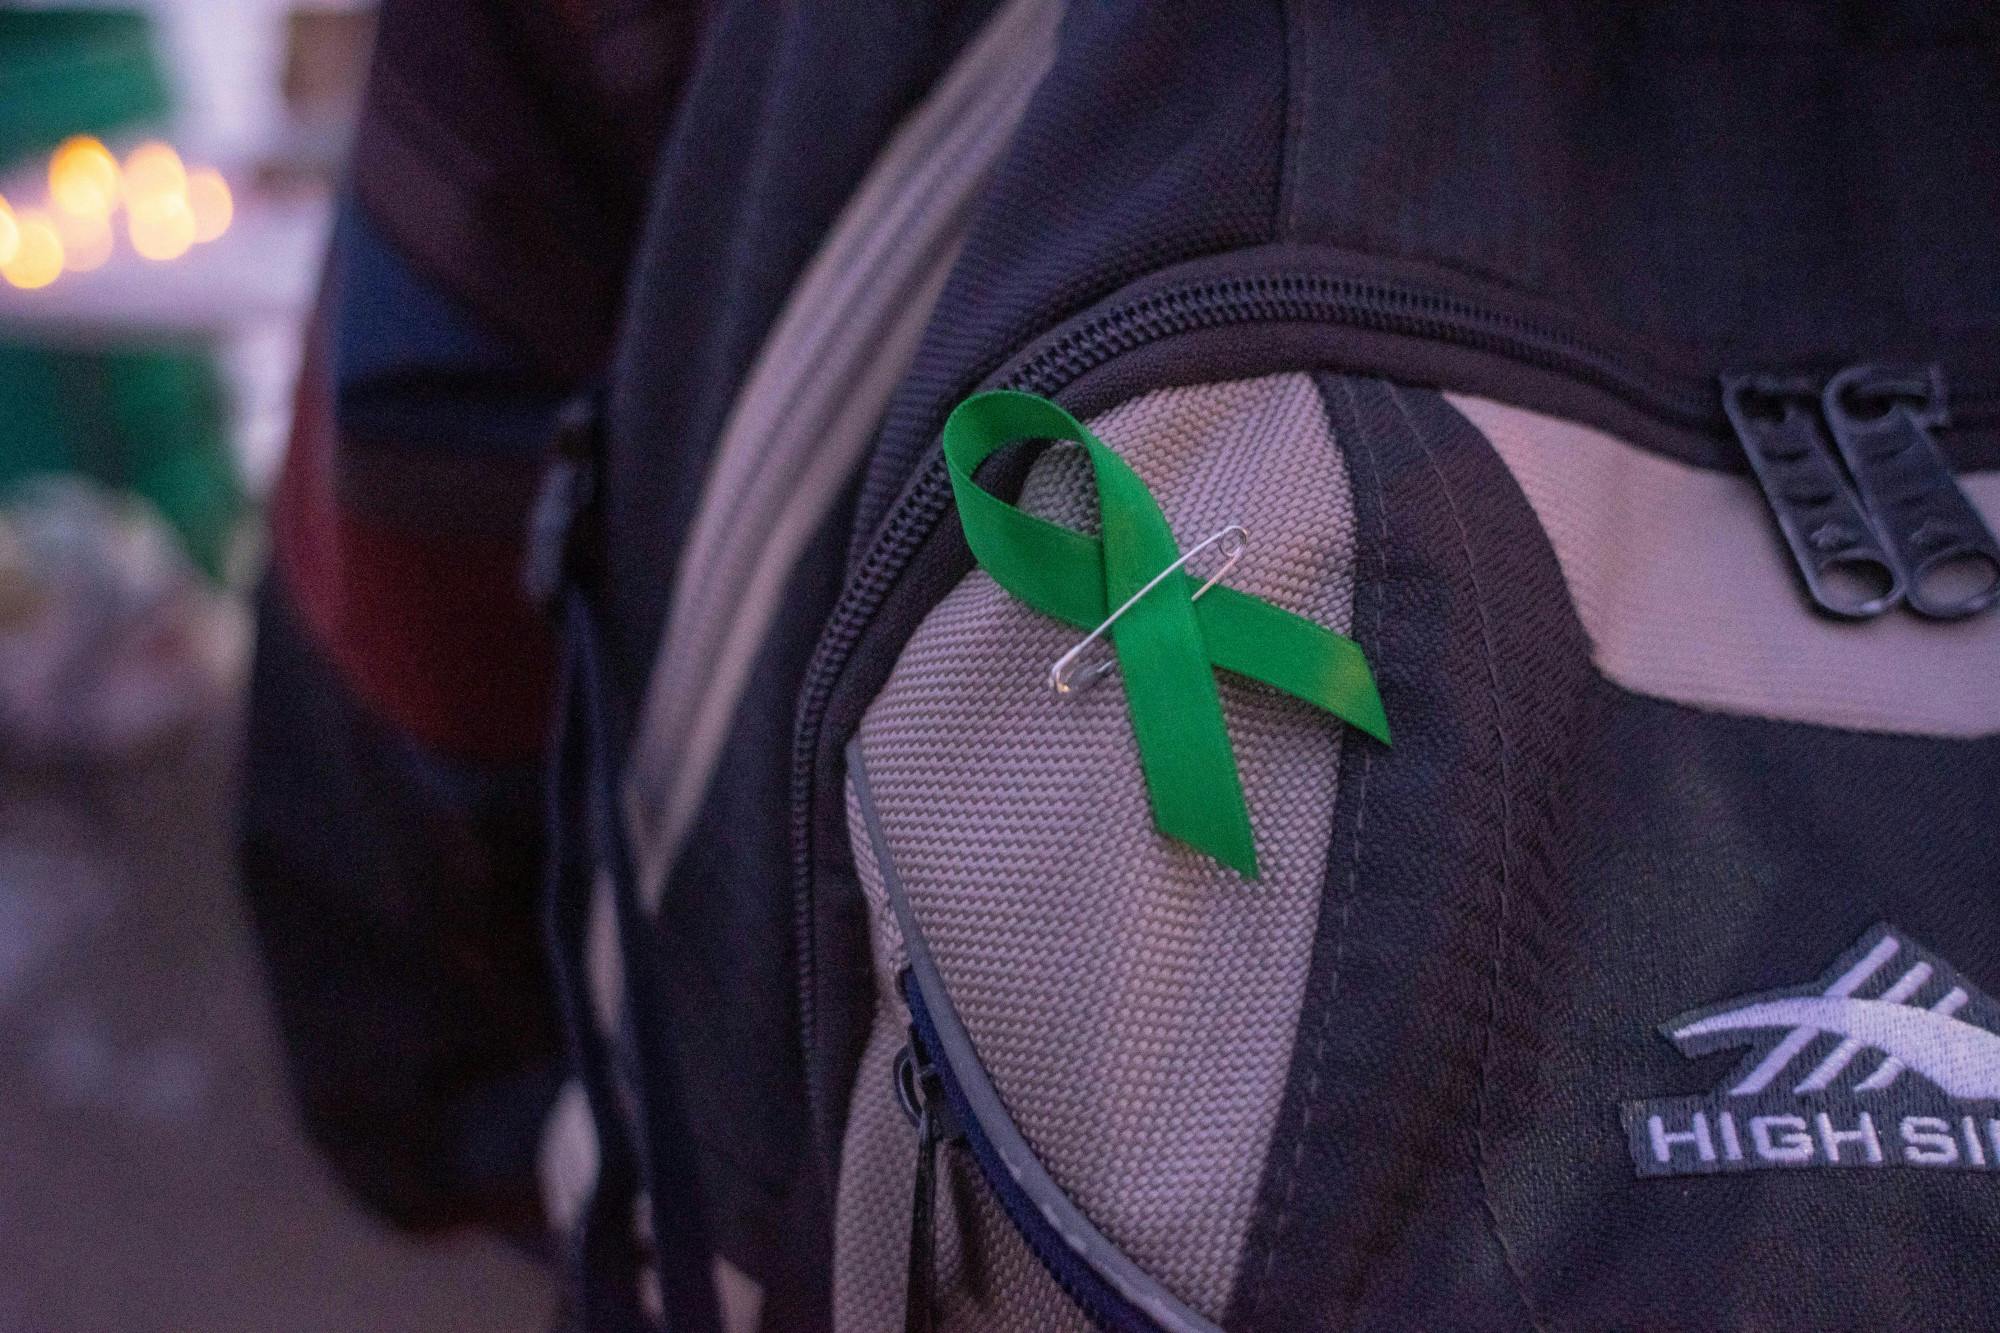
(1622, 389)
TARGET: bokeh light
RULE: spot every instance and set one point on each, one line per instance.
(210, 202)
(83, 177)
(86, 240)
(169, 209)
(161, 227)
(153, 170)
(38, 255)
(10, 232)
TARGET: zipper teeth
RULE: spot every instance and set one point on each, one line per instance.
(1278, 298)
(856, 608)
(1378, 306)
(975, 1139)
(1251, 300)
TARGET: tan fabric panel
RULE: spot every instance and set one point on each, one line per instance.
(1687, 593)
(1134, 1001)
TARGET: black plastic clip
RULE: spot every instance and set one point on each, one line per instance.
(1882, 418)
(1847, 568)
(568, 490)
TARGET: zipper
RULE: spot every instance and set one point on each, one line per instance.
(943, 1085)
(1787, 449)
(1883, 419)
(1365, 304)
(920, 1091)
(1873, 516)
(1075, 1256)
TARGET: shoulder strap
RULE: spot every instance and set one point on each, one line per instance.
(809, 407)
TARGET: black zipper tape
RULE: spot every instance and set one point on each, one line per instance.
(919, 1087)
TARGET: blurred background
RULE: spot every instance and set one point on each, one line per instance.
(165, 180)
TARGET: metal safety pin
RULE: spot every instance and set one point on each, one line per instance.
(1233, 540)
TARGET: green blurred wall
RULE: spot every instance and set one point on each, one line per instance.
(145, 420)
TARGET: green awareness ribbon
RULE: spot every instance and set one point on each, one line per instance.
(1168, 643)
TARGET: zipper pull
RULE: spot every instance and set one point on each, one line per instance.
(1847, 569)
(920, 1091)
(1882, 419)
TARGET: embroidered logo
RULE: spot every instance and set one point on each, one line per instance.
(1891, 1058)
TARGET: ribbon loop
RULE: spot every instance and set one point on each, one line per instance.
(1167, 644)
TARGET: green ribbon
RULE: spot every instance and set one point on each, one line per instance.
(1168, 643)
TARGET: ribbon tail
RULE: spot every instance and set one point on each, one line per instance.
(1170, 690)
(1288, 652)
(1190, 770)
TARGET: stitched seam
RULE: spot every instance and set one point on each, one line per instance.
(1325, 1026)
(1506, 856)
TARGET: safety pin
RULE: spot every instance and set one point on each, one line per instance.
(1233, 539)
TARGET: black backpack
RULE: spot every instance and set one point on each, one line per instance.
(1614, 946)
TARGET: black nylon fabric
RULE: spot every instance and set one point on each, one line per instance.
(1156, 137)
(1789, 185)
(726, 933)
(784, 109)
(1543, 870)
(1375, 1211)
(1714, 858)
(1768, 184)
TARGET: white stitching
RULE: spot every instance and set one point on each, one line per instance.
(1506, 857)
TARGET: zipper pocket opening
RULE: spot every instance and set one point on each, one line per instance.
(1285, 298)
(1092, 1271)
(1101, 1303)
(1294, 298)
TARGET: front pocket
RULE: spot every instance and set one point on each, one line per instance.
(1134, 1001)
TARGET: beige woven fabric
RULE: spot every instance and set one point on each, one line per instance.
(1688, 594)
(1135, 1001)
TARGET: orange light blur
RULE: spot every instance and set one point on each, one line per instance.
(83, 177)
(210, 202)
(10, 232)
(38, 257)
(168, 211)
(153, 170)
(86, 240)
(161, 227)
